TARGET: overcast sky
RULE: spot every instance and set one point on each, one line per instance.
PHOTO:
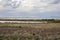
(30, 8)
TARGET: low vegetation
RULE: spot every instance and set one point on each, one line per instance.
(33, 34)
(30, 31)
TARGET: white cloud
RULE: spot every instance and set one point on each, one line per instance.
(0, 0)
(39, 5)
(32, 5)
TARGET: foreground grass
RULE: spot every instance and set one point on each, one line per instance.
(33, 34)
(14, 31)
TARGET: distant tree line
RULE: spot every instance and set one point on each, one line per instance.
(48, 20)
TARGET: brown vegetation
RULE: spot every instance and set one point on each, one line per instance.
(27, 31)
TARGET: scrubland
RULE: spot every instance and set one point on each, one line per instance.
(30, 31)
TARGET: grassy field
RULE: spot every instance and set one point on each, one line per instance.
(29, 31)
(33, 25)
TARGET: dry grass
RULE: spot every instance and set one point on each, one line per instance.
(28, 31)
(34, 25)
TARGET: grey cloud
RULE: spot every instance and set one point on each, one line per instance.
(51, 1)
(10, 3)
(9, 13)
(56, 2)
(42, 6)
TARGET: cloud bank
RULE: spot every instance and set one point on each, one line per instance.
(30, 7)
